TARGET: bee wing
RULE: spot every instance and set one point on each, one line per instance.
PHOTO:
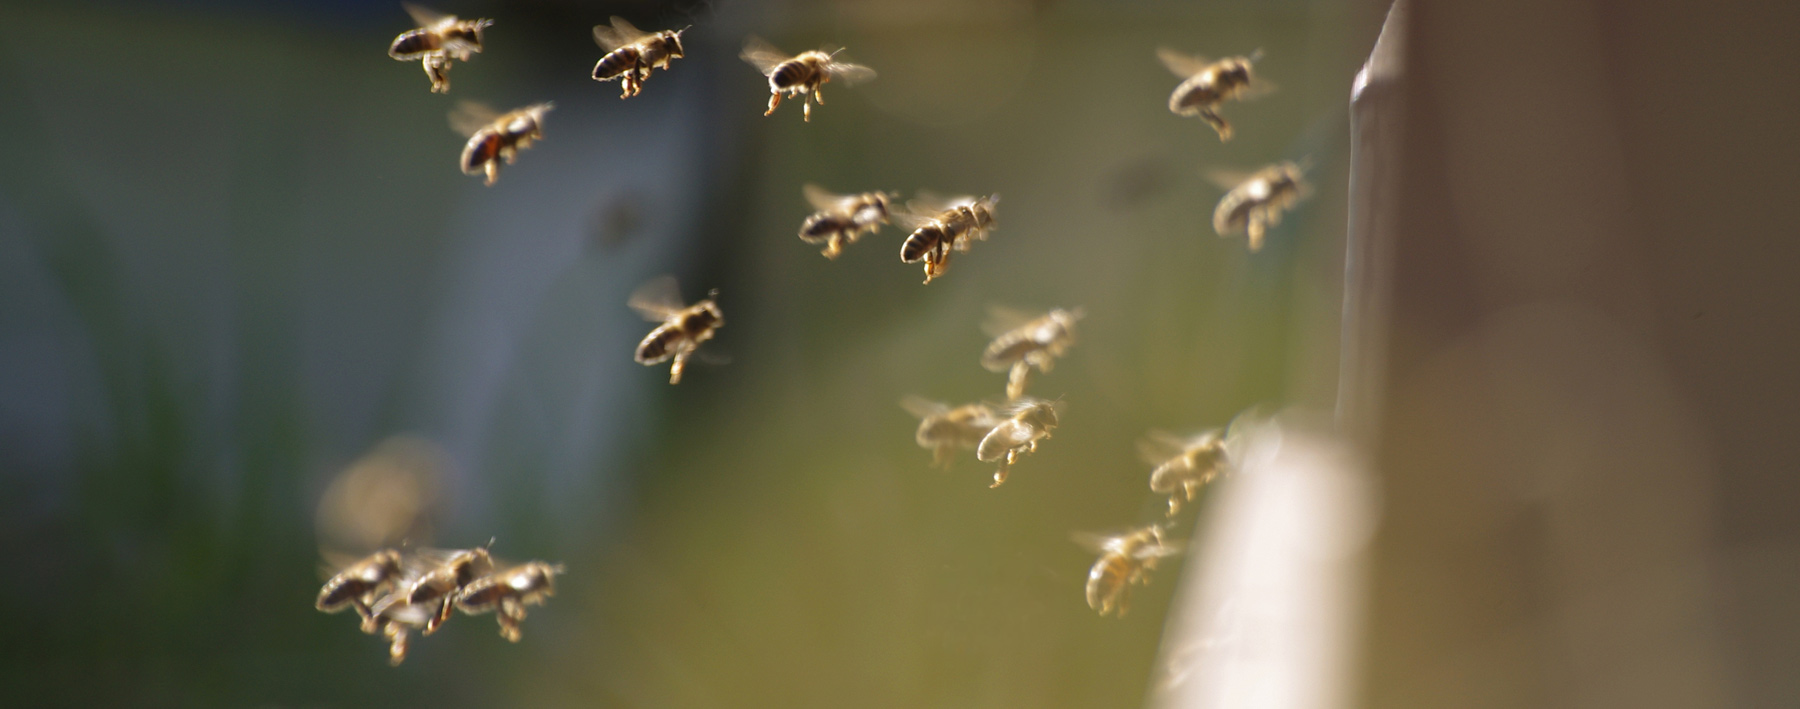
(850, 74)
(471, 116)
(1180, 63)
(822, 199)
(425, 16)
(657, 299)
(1227, 180)
(1158, 446)
(621, 33)
(1154, 551)
(922, 407)
(1002, 319)
(1010, 434)
(762, 55)
(1258, 88)
(928, 203)
(908, 219)
(1091, 541)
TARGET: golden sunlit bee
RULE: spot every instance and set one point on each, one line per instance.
(941, 226)
(943, 429)
(1025, 421)
(438, 39)
(631, 53)
(361, 585)
(1183, 465)
(1206, 84)
(509, 592)
(683, 327)
(436, 589)
(801, 75)
(1125, 559)
(1022, 342)
(1257, 201)
(395, 620)
(493, 137)
(841, 219)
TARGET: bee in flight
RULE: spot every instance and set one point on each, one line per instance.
(841, 219)
(683, 327)
(1183, 465)
(361, 584)
(941, 226)
(435, 590)
(1125, 559)
(395, 619)
(438, 39)
(1025, 421)
(802, 74)
(509, 592)
(1255, 202)
(1207, 84)
(943, 429)
(495, 137)
(1022, 342)
(631, 53)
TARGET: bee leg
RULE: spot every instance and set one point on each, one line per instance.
(1217, 122)
(397, 636)
(493, 171)
(941, 456)
(1017, 379)
(1000, 473)
(1174, 505)
(806, 108)
(774, 101)
(1257, 226)
(819, 95)
(834, 245)
(677, 367)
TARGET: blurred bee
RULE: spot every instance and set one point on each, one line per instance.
(683, 327)
(493, 137)
(1183, 465)
(361, 584)
(841, 219)
(1206, 84)
(941, 226)
(802, 74)
(1027, 421)
(943, 429)
(438, 38)
(1125, 559)
(1256, 201)
(631, 53)
(435, 590)
(395, 619)
(509, 592)
(1022, 342)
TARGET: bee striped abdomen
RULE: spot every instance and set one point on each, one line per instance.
(616, 63)
(414, 44)
(659, 344)
(791, 75)
(824, 225)
(922, 242)
(1105, 581)
(481, 150)
(1002, 353)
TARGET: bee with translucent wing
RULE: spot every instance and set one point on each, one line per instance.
(1255, 202)
(941, 226)
(802, 74)
(1125, 559)
(842, 218)
(1183, 465)
(508, 592)
(1024, 422)
(943, 429)
(438, 38)
(447, 574)
(631, 53)
(495, 137)
(683, 327)
(1207, 84)
(360, 584)
(1022, 342)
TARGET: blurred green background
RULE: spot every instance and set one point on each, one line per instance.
(236, 254)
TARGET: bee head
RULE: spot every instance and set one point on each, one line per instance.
(674, 39)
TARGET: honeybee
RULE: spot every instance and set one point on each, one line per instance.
(683, 327)
(941, 226)
(1183, 465)
(1026, 421)
(1125, 559)
(943, 429)
(1256, 201)
(1022, 342)
(1207, 84)
(509, 592)
(802, 74)
(493, 137)
(841, 219)
(438, 38)
(362, 584)
(631, 53)
(435, 590)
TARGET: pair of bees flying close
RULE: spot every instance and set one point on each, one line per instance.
(940, 226)
(396, 593)
(1004, 432)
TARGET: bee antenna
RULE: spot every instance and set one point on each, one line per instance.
(714, 293)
